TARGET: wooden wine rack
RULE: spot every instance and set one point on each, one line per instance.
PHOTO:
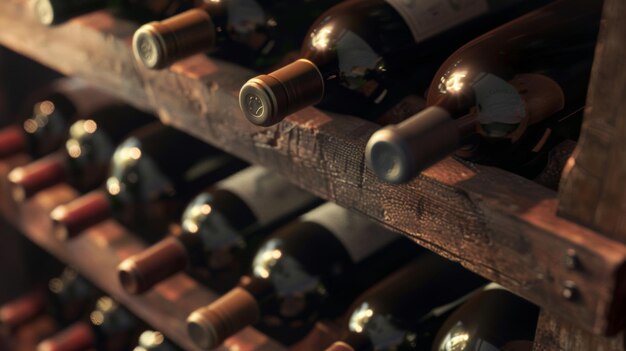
(563, 251)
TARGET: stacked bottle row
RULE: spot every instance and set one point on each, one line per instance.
(80, 318)
(281, 258)
(495, 82)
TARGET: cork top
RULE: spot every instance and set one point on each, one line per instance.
(77, 337)
(140, 272)
(50, 12)
(12, 141)
(267, 99)
(28, 180)
(209, 326)
(159, 44)
(73, 218)
(387, 155)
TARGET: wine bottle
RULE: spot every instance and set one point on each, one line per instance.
(222, 228)
(110, 327)
(152, 175)
(494, 320)
(255, 33)
(151, 340)
(46, 128)
(88, 150)
(66, 298)
(312, 268)
(508, 96)
(362, 56)
(405, 310)
(51, 12)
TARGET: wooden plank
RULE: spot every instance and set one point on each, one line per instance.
(96, 256)
(556, 334)
(494, 223)
(593, 190)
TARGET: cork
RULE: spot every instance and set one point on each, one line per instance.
(209, 326)
(267, 99)
(23, 309)
(140, 272)
(158, 44)
(77, 337)
(28, 180)
(12, 141)
(72, 219)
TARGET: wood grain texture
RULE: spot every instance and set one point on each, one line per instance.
(494, 223)
(556, 334)
(592, 187)
(96, 256)
(593, 190)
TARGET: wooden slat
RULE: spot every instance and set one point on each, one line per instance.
(593, 190)
(496, 224)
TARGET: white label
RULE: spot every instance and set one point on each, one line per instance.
(268, 195)
(499, 101)
(359, 235)
(427, 18)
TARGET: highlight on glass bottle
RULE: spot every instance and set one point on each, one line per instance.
(363, 56)
(505, 98)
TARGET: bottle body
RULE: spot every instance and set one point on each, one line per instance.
(509, 96)
(109, 327)
(150, 180)
(484, 322)
(84, 161)
(405, 310)
(221, 229)
(54, 108)
(291, 285)
(363, 56)
(152, 175)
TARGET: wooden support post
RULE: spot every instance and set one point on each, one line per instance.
(556, 334)
(593, 188)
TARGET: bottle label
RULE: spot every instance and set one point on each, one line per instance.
(266, 193)
(501, 108)
(427, 18)
(359, 235)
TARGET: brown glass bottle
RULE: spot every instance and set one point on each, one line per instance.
(222, 228)
(254, 33)
(508, 96)
(51, 12)
(53, 111)
(312, 268)
(362, 56)
(495, 320)
(405, 310)
(84, 161)
(153, 174)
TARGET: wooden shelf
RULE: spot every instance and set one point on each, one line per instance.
(494, 223)
(96, 256)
